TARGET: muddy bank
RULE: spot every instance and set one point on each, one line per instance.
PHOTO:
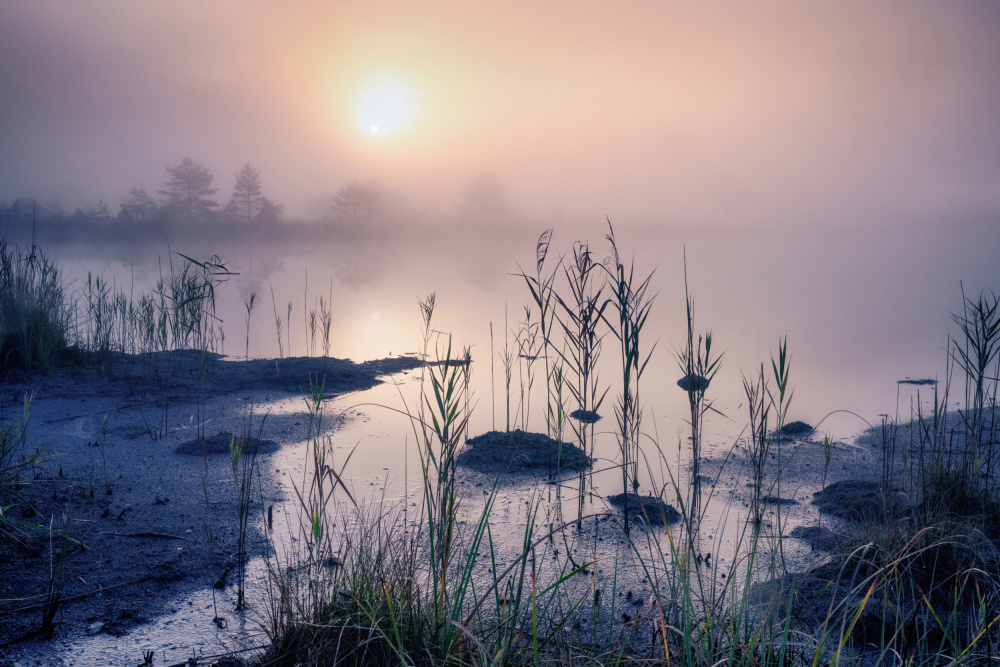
(131, 504)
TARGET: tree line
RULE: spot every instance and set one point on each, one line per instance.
(187, 199)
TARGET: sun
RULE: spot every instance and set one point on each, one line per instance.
(386, 105)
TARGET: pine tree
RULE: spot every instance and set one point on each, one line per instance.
(247, 200)
(189, 189)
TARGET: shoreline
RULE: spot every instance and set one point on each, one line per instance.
(139, 522)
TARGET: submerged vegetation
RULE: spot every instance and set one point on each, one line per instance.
(910, 574)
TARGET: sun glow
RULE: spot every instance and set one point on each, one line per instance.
(385, 106)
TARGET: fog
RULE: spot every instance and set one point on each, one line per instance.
(721, 115)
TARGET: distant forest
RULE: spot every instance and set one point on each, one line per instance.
(187, 207)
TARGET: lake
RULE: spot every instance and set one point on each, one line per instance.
(862, 309)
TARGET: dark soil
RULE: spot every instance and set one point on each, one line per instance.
(795, 429)
(219, 444)
(138, 520)
(859, 500)
(585, 416)
(778, 500)
(519, 453)
(292, 374)
(649, 507)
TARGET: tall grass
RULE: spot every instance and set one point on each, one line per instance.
(977, 353)
(632, 302)
(243, 450)
(177, 313)
(699, 364)
(35, 312)
(580, 315)
(541, 287)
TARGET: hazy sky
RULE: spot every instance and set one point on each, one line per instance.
(721, 113)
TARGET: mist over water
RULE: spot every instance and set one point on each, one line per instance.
(862, 308)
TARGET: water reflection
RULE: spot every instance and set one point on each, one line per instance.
(861, 309)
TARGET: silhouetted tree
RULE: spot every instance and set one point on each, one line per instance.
(245, 201)
(248, 203)
(102, 210)
(356, 202)
(138, 205)
(189, 189)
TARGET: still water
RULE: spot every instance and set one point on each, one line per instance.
(861, 310)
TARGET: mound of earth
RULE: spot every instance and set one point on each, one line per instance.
(796, 429)
(655, 509)
(521, 452)
(585, 416)
(858, 500)
(219, 444)
(693, 382)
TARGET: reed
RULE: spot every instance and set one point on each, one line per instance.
(977, 354)
(57, 580)
(631, 300)
(248, 305)
(759, 444)
(580, 315)
(541, 287)
(278, 325)
(243, 450)
(507, 359)
(13, 463)
(35, 312)
(699, 366)
(528, 346)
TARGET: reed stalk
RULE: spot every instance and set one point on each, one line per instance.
(579, 315)
(631, 301)
(699, 365)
